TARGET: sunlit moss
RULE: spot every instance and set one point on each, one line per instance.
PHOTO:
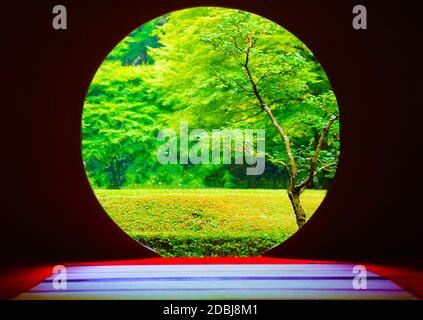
(206, 222)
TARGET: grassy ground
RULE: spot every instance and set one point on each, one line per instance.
(206, 222)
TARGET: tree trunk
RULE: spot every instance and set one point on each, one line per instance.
(299, 211)
(115, 173)
(294, 189)
(252, 182)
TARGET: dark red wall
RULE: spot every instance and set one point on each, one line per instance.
(48, 211)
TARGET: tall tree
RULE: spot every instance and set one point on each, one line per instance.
(118, 120)
(235, 67)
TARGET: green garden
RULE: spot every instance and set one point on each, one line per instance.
(216, 69)
(206, 222)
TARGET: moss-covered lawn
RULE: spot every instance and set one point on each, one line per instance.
(206, 222)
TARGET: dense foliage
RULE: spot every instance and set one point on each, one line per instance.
(185, 66)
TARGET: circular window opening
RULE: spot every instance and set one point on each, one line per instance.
(210, 132)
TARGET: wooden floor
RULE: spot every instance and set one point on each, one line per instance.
(215, 281)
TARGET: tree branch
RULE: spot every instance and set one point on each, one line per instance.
(325, 166)
(269, 112)
(313, 161)
(242, 87)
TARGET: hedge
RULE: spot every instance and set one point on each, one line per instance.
(217, 245)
